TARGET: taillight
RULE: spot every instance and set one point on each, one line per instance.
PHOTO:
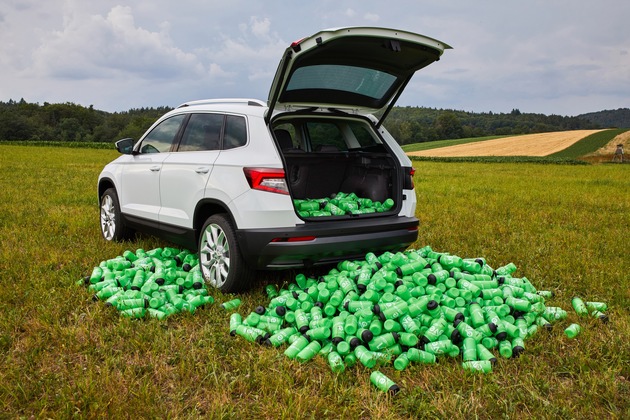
(408, 178)
(267, 179)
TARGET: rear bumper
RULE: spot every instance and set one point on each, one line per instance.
(332, 241)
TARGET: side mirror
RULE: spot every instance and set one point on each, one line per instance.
(125, 146)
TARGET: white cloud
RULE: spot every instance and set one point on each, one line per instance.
(371, 17)
(97, 46)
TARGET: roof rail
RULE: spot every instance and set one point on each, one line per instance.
(244, 101)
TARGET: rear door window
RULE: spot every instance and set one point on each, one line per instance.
(203, 132)
(325, 137)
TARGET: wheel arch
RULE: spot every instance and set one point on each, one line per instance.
(103, 185)
(206, 208)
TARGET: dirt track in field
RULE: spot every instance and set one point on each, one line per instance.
(542, 144)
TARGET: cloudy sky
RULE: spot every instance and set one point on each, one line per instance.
(561, 57)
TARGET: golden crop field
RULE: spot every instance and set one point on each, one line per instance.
(541, 144)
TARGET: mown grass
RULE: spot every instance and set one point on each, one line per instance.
(63, 355)
(416, 147)
(588, 144)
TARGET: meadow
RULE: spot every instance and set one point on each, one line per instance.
(62, 354)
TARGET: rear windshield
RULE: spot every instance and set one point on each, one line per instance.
(357, 80)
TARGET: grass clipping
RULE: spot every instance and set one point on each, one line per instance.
(403, 308)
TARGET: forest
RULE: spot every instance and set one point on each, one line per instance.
(21, 120)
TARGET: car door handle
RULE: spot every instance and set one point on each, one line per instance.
(202, 170)
(154, 168)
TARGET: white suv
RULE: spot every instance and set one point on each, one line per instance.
(226, 176)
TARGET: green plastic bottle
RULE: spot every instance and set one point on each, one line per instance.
(296, 347)
(336, 362)
(572, 331)
(308, 352)
(482, 366)
(579, 306)
(420, 356)
(383, 383)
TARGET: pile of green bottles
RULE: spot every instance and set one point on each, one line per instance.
(341, 204)
(403, 308)
(158, 283)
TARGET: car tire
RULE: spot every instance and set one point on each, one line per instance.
(222, 264)
(112, 226)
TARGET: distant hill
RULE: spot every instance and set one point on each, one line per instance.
(619, 118)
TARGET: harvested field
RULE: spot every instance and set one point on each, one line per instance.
(541, 144)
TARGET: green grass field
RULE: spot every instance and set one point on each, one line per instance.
(63, 355)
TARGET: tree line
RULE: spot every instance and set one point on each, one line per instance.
(20, 120)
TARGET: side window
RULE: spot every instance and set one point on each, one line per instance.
(363, 135)
(325, 137)
(160, 139)
(235, 134)
(203, 132)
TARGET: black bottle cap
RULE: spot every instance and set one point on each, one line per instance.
(501, 336)
(336, 340)
(479, 261)
(603, 317)
(459, 316)
(354, 343)
(160, 281)
(109, 304)
(457, 322)
(432, 305)
(378, 265)
(399, 272)
(197, 285)
(381, 316)
(396, 336)
(86, 280)
(493, 360)
(295, 294)
(303, 329)
(281, 310)
(152, 269)
(398, 283)
(319, 304)
(501, 280)
(456, 337)
(492, 327)
(267, 342)
(517, 350)
(431, 279)
(180, 290)
(233, 333)
(376, 309)
(452, 273)
(94, 298)
(361, 288)
(260, 310)
(367, 336)
(146, 303)
(177, 259)
(517, 314)
(135, 288)
(345, 305)
(394, 389)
